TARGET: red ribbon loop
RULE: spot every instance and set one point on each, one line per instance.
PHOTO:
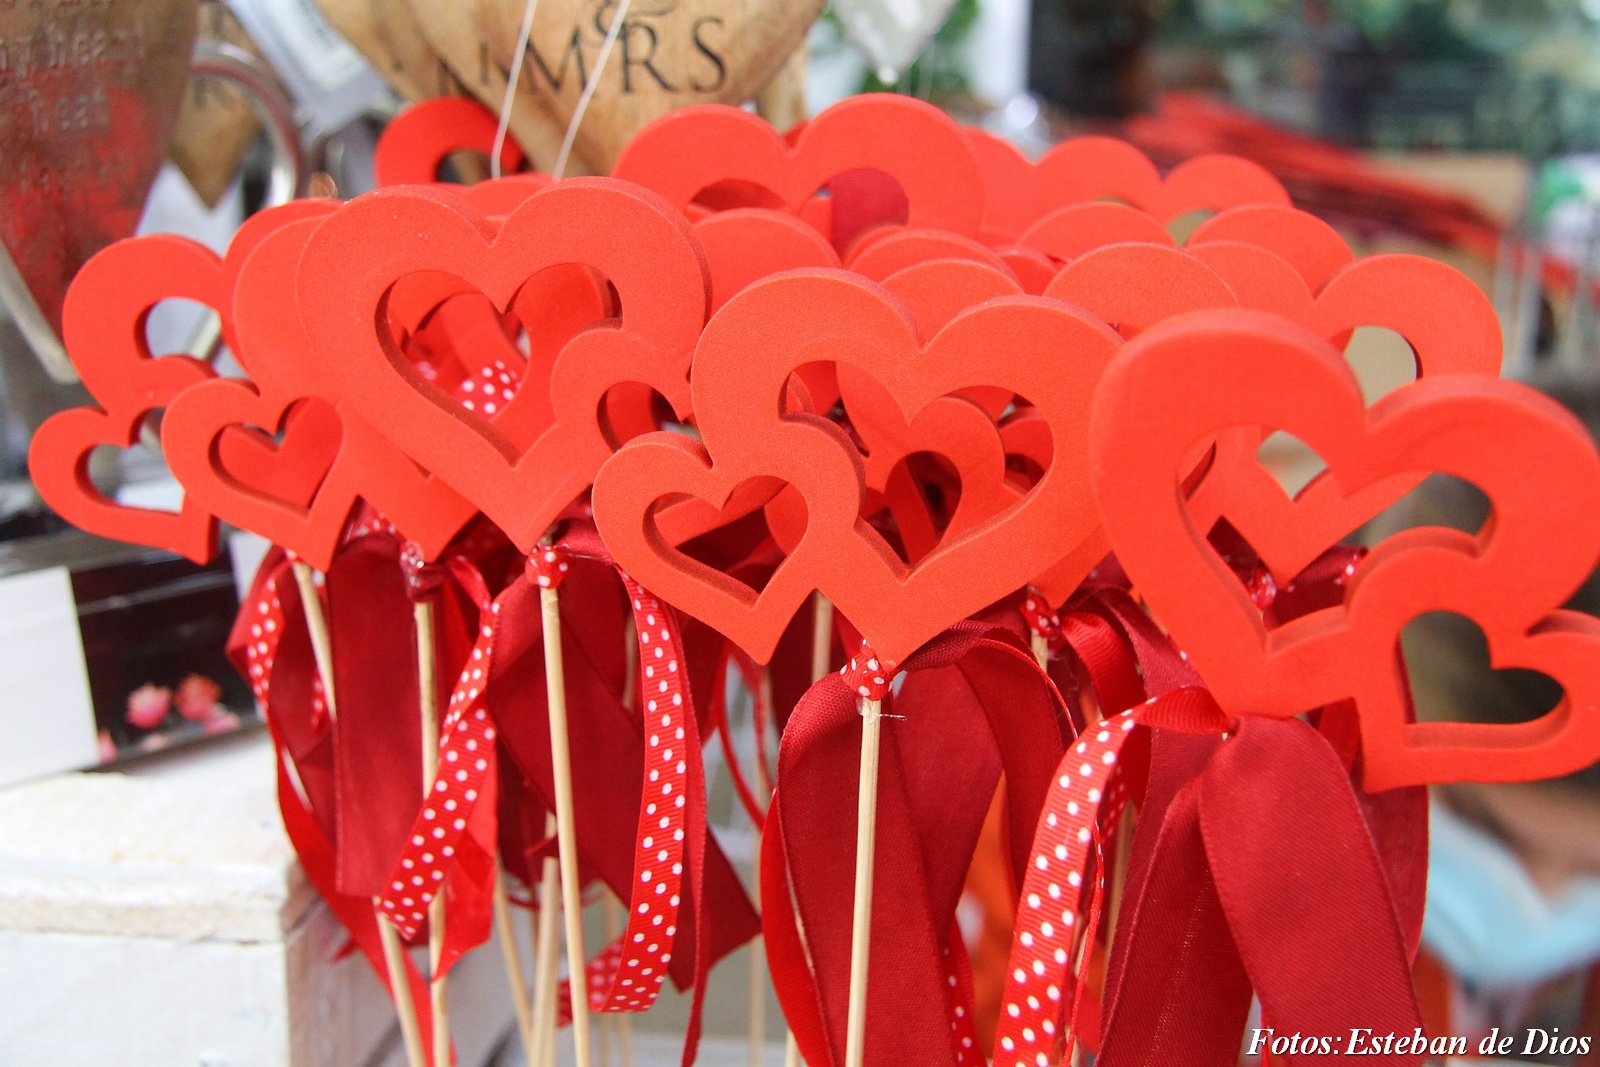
(423, 579)
(1042, 620)
(547, 566)
(867, 675)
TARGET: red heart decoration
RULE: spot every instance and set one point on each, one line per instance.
(416, 142)
(902, 248)
(1034, 347)
(694, 149)
(103, 327)
(744, 245)
(1136, 286)
(354, 461)
(1018, 193)
(632, 237)
(1314, 248)
(1198, 376)
(1068, 232)
(1451, 327)
(191, 434)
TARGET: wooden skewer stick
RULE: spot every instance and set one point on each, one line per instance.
(393, 951)
(508, 947)
(394, 961)
(861, 913)
(821, 635)
(1041, 650)
(428, 700)
(545, 960)
(566, 829)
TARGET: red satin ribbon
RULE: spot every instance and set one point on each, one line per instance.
(973, 702)
(270, 647)
(1257, 866)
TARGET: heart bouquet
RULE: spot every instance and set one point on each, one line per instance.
(552, 465)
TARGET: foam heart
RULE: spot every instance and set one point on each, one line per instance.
(1018, 193)
(1136, 286)
(748, 351)
(689, 151)
(417, 141)
(356, 462)
(902, 248)
(1313, 247)
(104, 319)
(668, 56)
(744, 245)
(1197, 376)
(195, 423)
(637, 241)
(1452, 330)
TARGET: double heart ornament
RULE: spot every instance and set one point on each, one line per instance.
(286, 379)
(1198, 376)
(357, 256)
(104, 320)
(1043, 350)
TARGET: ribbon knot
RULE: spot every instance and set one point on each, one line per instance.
(422, 578)
(547, 566)
(868, 675)
(1041, 618)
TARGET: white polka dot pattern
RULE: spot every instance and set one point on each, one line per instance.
(669, 732)
(1040, 982)
(266, 628)
(958, 1009)
(466, 761)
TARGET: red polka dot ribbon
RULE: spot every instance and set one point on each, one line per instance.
(867, 674)
(266, 630)
(547, 566)
(1041, 618)
(466, 762)
(957, 973)
(627, 975)
(1086, 800)
(671, 734)
(423, 579)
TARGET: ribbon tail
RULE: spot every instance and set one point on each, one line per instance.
(1303, 888)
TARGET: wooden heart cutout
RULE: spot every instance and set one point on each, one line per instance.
(667, 57)
(1310, 245)
(104, 319)
(417, 141)
(1018, 193)
(1452, 329)
(1197, 376)
(355, 463)
(632, 237)
(906, 247)
(744, 245)
(748, 352)
(916, 144)
(1069, 232)
(1136, 286)
(452, 31)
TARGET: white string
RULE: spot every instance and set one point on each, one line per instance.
(589, 88)
(509, 101)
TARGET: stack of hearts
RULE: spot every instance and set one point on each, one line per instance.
(948, 459)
